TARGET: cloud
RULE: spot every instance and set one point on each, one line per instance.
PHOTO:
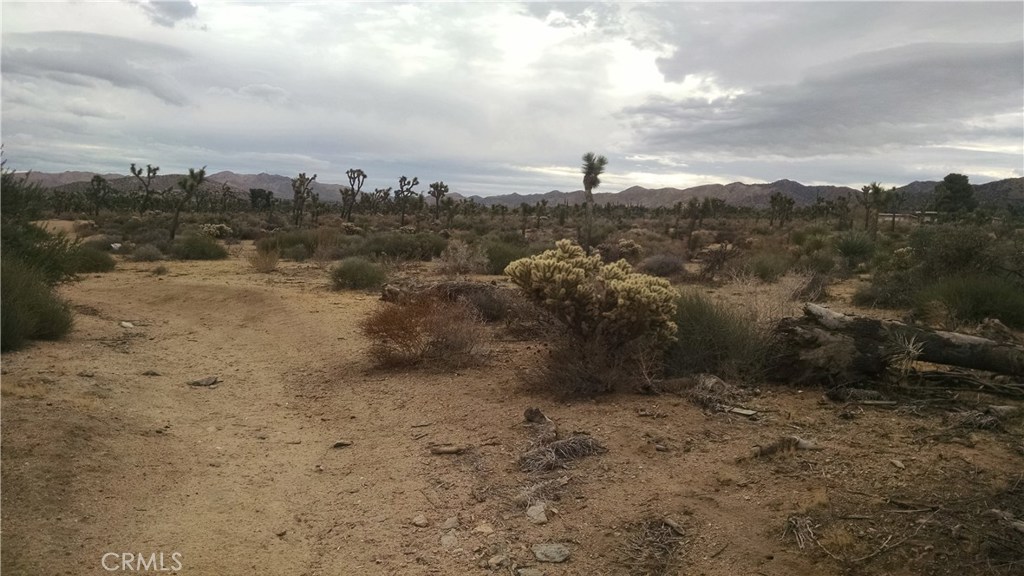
(923, 94)
(168, 13)
(79, 58)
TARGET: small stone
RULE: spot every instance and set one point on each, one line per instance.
(86, 374)
(420, 521)
(449, 539)
(536, 513)
(529, 572)
(484, 528)
(550, 552)
(341, 444)
(150, 373)
(127, 325)
(451, 523)
(897, 464)
(280, 533)
(206, 382)
(497, 561)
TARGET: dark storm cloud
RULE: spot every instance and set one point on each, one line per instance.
(81, 58)
(922, 94)
(168, 13)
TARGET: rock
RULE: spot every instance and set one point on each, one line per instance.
(150, 373)
(341, 444)
(86, 374)
(484, 528)
(536, 513)
(280, 533)
(207, 382)
(451, 523)
(534, 415)
(127, 325)
(529, 572)
(421, 521)
(449, 539)
(497, 561)
(550, 552)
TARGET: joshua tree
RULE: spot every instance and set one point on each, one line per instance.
(404, 195)
(379, 199)
(261, 199)
(301, 189)
(147, 184)
(98, 194)
(349, 196)
(593, 167)
(438, 190)
(187, 187)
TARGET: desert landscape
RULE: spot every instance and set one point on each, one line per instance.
(302, 456)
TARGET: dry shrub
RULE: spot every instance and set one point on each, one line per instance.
(264, 261)
(424, 329)
(651, 548)
(461, 258)
(560, 453)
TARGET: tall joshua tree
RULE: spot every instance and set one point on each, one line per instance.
(593, 167)
(147, 184)
(187, 188)
(438, 190)
(349, 196)
(302, 190)
(403, 196)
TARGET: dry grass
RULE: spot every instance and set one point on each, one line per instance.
(264, 261)
(559, 454)
(651, 549)
(424, 329)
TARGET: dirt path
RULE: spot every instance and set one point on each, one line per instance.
(242, 478)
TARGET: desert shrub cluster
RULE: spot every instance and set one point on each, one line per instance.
(356, 273)
(442, 332)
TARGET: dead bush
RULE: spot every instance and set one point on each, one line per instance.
(264, 261)
(449, 333)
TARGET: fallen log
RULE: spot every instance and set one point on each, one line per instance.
(824, 347)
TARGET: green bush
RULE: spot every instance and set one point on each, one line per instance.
(87, 260)
(501, 253)
(952, 250)
(147, 253)
(767, 266)
(357, 273)
(296, 252)
(402, 246)
(971, 299)
(29, 308)
(198, 247)
(715, 339)
(663, 265)
(855, 247)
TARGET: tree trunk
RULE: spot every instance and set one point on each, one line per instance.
(826, 347)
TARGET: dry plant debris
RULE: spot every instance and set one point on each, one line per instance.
(652, 548)
(558, 454)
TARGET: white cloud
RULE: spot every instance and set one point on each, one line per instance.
(504, 97)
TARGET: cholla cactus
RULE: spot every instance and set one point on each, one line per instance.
(215, 230)
(609, 302)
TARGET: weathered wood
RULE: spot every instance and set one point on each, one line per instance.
(827, 347)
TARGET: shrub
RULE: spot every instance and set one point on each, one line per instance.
(296, 252)
(147, 253)
(29, 308)
(715, 339)
(160, 270)
(626, 313)
(403, 246)
(971, 299)
(88, 260)
(198, 247)
(502, 253)
(663, 265)
(423, 329)
(767, 266)
(216, 230)
(357, 274)
(264, 261)
(462, 258)
(855, 247)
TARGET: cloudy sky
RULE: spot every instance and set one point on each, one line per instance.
(505, 97)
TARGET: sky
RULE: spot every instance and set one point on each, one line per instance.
(503, 97)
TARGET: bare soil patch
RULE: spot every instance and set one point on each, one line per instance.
(304, 459)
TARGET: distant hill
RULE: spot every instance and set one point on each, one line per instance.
(919, 193)
(736, 194)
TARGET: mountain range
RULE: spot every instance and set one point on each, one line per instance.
(998, 193)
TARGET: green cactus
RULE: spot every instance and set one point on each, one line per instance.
(610, 303)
